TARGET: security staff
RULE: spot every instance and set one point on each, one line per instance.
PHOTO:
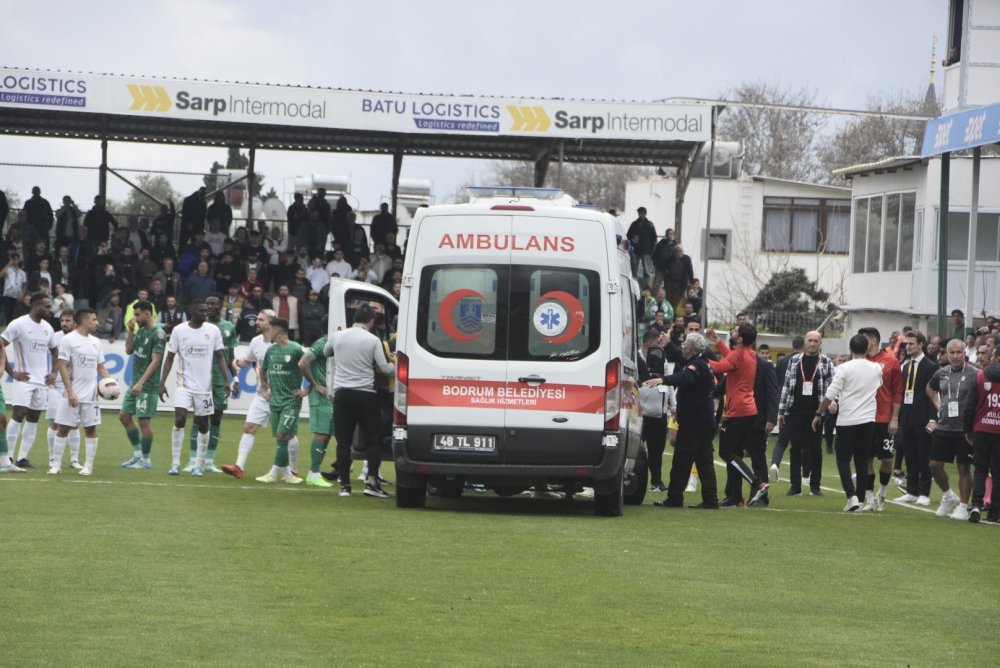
(696, 421)
(915, 414)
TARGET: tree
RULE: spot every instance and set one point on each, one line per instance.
(234, 160)
(600, 185)
(777, 143)
(872, 138)
(138, 204)
(789, 303)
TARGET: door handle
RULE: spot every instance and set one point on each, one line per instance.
(531, 379)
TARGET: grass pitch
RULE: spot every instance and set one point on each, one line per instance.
(139, 568)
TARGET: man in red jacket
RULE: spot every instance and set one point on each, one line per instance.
(737, 431)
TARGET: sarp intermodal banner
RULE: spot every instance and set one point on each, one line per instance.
(352, 110)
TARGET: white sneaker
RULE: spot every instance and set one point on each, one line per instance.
(772, 476)
(53, 470)
(86, 470)
(692, 484)
(923, 500)
(961, 512)
(948, 503)
(869, 505)
(907, 498)
(880, 503)
(75, 465)
(587, 493)
(12, 468)
(852, 505)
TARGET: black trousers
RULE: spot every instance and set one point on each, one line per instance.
(350, 409)
(734, 441)
(806, 444)
(654, 433)
(853, 444)
(985, 458)
(756, 450)
(694, 446)
(917, 452)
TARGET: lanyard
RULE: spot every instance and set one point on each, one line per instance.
(802, 369)
(961, 377)
(911, 379)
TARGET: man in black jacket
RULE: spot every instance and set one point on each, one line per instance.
(914, 414)
(100, 224)
(678, 275)
(642, 234)
(695, 419)
(783, 431)
(220, 211)
(766, 393)
(39, 213)
(193, 213)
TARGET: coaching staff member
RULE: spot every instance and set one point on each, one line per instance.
(695, 419)
(357, 352)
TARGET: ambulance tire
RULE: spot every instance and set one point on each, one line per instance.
(611, 504)
(637, 480)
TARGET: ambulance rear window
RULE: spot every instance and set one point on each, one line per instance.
(555, 313)
(458, 310)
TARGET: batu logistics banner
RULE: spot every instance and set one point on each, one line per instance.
(347, 109)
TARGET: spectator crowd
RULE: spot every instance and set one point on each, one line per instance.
(91, 259)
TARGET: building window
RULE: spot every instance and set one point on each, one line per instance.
(719, 246)
(806, 225)
(987, 236)
(883, 233)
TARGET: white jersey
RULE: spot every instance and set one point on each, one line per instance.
(83, 353)
(29, 347)
(195, 353)
(255, 352)
(56, 341)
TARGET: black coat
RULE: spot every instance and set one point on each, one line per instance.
(766, 393)
(695, 383)
(921, 410)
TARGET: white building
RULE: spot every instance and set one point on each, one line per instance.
(759, 226)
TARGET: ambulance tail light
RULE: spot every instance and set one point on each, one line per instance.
(612, 395)
(402, 382)
(511, 207)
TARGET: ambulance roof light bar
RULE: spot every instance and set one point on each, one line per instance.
(513, 193)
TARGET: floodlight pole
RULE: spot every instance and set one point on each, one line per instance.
(708, 221)
(102, 180)
(250, 180)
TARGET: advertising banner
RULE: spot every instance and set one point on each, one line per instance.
(352, 110)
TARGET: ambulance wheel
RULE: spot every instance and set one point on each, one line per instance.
(412, 494)
(637, 480)
(611, 504)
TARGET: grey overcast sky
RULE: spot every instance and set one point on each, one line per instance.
(845, 51)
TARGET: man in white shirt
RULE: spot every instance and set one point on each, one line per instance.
(67, 324)
(34, 353)
(196, 344)
(317, 275)
(853, 388)
(338, 265)
(81, 363)
(259, 413)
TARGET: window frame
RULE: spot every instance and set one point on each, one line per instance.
(823, 207)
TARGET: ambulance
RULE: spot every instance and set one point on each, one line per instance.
(516, 352)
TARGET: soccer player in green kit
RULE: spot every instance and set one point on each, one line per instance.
(219, 395)
(145, 342)
(280, 383)
(313, 367)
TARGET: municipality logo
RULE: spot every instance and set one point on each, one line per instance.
(470, 315)
(149, 98)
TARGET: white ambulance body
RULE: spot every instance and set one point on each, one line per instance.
(516, 352)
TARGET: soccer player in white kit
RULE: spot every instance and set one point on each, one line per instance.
(259, 412)
(30, 340)
(66, 325)
(81, 363)
(197, 344)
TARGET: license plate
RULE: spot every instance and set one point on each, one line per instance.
(464, 443)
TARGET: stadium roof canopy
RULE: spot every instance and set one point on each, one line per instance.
(111, 107)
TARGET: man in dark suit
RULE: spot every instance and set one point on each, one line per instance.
(914, 414)
(784, 433)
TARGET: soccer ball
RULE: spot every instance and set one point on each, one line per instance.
(109, 389)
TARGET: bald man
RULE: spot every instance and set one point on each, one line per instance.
(808, 376)
(948, 389)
